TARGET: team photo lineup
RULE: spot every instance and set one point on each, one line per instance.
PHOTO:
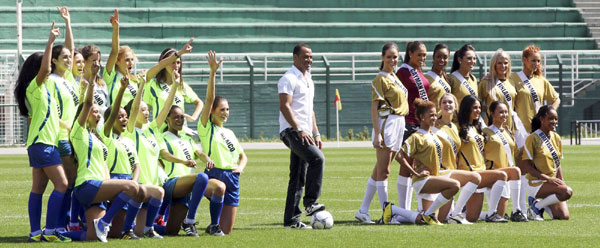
(123, 162)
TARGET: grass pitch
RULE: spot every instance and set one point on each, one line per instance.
(263, 190)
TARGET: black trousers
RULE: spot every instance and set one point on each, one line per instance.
(306, 170)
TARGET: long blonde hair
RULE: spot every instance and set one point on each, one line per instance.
(491, 83)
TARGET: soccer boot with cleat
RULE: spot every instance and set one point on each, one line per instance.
(297, 225)
(533, 212)
(431, 220)
(130, 235)
(459, 219)
(55, 237)
(387, 212)
(518, 216)
(152, 234)
(101, 230)
(214, 230)
(35, 238)
(190, 229)
(495, 217)
(363, 218)
(313, 208)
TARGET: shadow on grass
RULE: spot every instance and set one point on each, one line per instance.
(12, 240)
(279, 225)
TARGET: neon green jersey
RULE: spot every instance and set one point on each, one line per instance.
(148, 150)
(155, 95)
(67, 97)
(122, 156)
(91, 155)
(181, 147)
(221, 145)
(43, 111)
(113, 80)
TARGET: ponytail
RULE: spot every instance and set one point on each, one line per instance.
(386, 46)
(459, 54)
(411, 46)
(536, 122)
(529, 51)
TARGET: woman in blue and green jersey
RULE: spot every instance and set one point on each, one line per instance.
(93, 185)
(120, 63)
(34, 94)
(228, 155)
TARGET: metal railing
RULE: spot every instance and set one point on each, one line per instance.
(584, 129)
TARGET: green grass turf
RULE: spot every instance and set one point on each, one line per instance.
(263, 186)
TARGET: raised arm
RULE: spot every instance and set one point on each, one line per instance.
(114, 110)
(69, 42)
(135, 107)
(114, 51)
(89, 96)
(46, 67)
(210, 90)
(187, 48)
(162, 115)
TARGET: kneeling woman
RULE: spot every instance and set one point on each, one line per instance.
(426, 148)
(499, 152)
(226, 152)
(471, 159)
(93, 186)
(543, 151)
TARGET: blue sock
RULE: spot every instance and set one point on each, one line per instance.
(35, 211)
(75, 211)
(162, 230)
(82, 214)
(216, 206)
(133, 208)
(115, 207)
(53, 211)
(75, 235)
(65, 216)
(153, 207)
(197, 194)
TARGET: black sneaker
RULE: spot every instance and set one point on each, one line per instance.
(130, 235)
(190, 229)
(313, 208)
(495, 218)
(518, 217)
(152, 234)
(214, 230)
(297, 225)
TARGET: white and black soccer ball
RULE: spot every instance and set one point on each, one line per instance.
(321, 220)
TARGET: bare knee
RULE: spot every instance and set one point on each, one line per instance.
(564, 193)
(141, 194)
(454, 187)
(219, 188)
(475, 178)
(502, 176)
(131, 188)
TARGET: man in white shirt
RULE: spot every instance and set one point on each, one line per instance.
(298, 130)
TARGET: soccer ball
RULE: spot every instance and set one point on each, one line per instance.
(321, 220)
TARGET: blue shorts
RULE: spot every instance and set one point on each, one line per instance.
(42, 155)
(86, 192)
(232, 185)
(124, 177)
(65, 148)
(169, 186)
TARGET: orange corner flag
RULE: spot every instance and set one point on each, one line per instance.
(338, 100)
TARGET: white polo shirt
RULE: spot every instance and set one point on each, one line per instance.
(302, 90)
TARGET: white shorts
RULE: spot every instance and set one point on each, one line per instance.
(417, 187)
(392, 131)
(532, 190)
(482, 190)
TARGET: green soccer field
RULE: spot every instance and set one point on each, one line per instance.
(264, 185)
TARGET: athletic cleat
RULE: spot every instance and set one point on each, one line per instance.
(190, 229)
(99, 233)
(459, 219)
(495, 218)
(160, 221)
(35, 238)
(387, 212)
(55, 237)
(518, 217)
(152, 234)
(533, 212)
(313, 208)
(379, 221)
(431, 220)
(363, 218)
(297, 225)
(130, 235)
(214, 230)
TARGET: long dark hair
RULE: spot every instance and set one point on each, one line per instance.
(491, 110)
(29, 70)
(438, 47)
(56, 50)
(218, 99)
(411, 46)
(173, 107)
(464, 117)
(536, 122)
(161, 77)
(387, 46)
(460, 53)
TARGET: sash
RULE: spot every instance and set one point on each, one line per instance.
(507, 149)
(418, 81)
(534, 96)
(445, 136)
(438, 80)
(505, 93)
(464, 83)
(67, 85)
(177, 100)
(180, 145)
(550, 147)
(395, 81)
(477, 139)
(438, 144)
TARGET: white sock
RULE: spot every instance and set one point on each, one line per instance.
(523, 193)
(549, 212)
(465, 194)
(49, 231)
(548, 201)
(515, 190)
(483, 215)
(409, 194)
(440, 200)
(495, 195)
(403, 215)
(148, 228)
(382, 192)
(188, 221)
(403, 184)
(369, 193)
